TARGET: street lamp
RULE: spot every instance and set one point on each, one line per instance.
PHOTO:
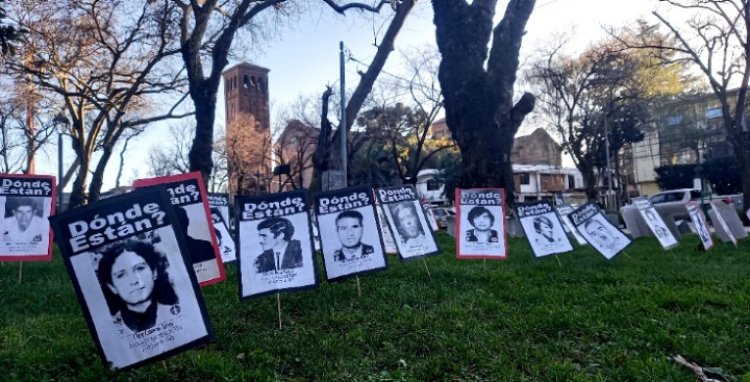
(60, 121)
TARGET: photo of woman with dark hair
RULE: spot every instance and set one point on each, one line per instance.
(133, 276)
(482, 220)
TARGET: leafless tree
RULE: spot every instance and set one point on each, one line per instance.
(105, 62)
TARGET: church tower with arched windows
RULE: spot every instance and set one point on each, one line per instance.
(248, 132)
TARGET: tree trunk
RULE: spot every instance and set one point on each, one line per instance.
(78, 194)
(742, 155)
(97, 179)
(589, 182)
(202, 147)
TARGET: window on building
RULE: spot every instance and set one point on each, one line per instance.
(524, 178)
(571, 181)
(433, 185)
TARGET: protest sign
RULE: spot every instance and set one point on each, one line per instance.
(26, 202)
(349, 233)
(655, 223)
(385, 232)
(275, 240)
(407, 221)
(699, 221)
(564, 210)
(131, 272)
(480, 224)
(188, 194)
(543, 228)
(598, 231)
(427, 207)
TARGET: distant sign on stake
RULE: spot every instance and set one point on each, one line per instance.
(430, 215)
(275, 240)
(406, 218)
(26, 202)
(223, 237)
(543, 229)
(598, 231)
(349, 233)
(132, 274)
(188, 194)
(220, 202)
(721, 224)
(385, 231)
(655, 223)
(564, 210)
(699, 221)
(480, 224)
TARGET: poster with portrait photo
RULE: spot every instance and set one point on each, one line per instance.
(563, 210)
(223, 237)
(188, 194)
(389, 244)
(220, 202)
(480, 224)
(26, 202)
(721, 224)
(598, 231)
(427, 207)
(349, 233)
(276, 245)
(699, 222)
(544, 231)
(407, 221)
(655, 223)
(133, 278)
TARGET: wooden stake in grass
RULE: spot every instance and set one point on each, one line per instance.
(359, 289)
(558, 261)
(164, 364)
(427, 268)
(278, 306)
(20, 272)
(626, 255)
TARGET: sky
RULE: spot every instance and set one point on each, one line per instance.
(303, 57)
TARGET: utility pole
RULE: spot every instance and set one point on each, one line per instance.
(606, 149)
(342, 125)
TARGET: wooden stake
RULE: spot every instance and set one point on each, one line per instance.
(278, 305)
(164, 364)
(359, 289)
(20, 272)
(427, 268)
(626, 255)
(558, 261)
(484, 263)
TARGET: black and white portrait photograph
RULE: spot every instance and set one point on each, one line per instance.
(655, 223)
(223, 237)
(26, 202)
(220, 202)
(543, 230)
(699, 222)
(389, 244)
(349, 232)
(407, 221)
(480, 227)
(275, 244)
(187, 193)
(598, 231)
(563, 210)
(430, 215)
(132, 271)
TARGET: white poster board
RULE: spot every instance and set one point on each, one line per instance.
(26, 202)
(655, 223)
(699, 222)
(133, 277)
(598, 231)
(349, 233)
(543, 229)
(406, 218)
(427, 207)
(720, 225)
(564, 210)
(480, 224)
(276, 250)
(224, 240)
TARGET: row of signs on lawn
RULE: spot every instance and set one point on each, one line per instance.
(137, 260)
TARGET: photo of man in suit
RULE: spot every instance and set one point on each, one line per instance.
(349, 230)
(280, 252)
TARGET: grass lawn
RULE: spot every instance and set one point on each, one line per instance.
(523, 319)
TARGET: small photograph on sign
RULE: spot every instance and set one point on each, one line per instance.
(481, 223)
(543, 229)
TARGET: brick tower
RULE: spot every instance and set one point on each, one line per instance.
(248, 136)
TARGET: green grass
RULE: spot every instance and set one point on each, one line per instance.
(523, 319)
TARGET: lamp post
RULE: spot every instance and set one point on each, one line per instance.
(60, 121)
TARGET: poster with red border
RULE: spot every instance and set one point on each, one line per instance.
(26, 201)
(481, 232)
(188, 194)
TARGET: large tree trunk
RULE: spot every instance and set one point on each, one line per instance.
(97, 179)
(78, 194)
(478, 85)
(742, 154)
(205, 113)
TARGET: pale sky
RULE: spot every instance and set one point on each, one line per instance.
(304, 58)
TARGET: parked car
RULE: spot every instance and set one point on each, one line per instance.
(441, 215)
(672, 202)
